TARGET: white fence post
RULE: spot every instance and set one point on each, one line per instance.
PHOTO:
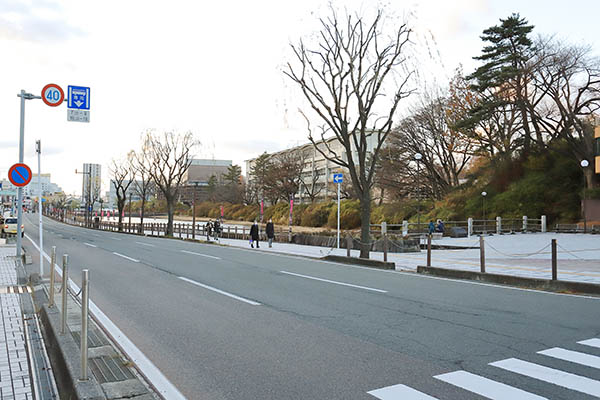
(524, 223)
(470, 227)
(498, 225)
(404, 228)
(544, 224)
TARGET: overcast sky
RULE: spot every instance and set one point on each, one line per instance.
(213, 68)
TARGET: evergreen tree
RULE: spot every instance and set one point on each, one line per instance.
(232, 177)
(505, 72)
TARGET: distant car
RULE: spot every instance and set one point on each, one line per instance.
(9, 227)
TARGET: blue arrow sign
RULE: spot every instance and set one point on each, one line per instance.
(338, 178)
(78, 97)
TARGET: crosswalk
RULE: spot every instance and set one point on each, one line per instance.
(495, 390)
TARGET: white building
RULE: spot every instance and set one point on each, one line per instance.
(91, 180)
(318, 171)
(48, 188)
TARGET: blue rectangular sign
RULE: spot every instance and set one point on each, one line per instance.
(338, 178)
(78, 97)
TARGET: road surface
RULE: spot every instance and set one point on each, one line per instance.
(231, 323)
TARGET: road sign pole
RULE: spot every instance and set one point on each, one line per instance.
(38, 148)
(338, 216)
(20, 191)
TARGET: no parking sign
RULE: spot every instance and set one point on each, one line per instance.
(19, 175)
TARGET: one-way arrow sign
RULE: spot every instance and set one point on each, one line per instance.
(78, 97)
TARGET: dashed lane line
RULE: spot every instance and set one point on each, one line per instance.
(200, 254)
(334, 282)
(126, 257)
(233, 296)
(89, 244)
(146, 244)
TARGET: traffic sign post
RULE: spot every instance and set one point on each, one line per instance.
(338, 178)
(38, 150)
(53, 95)
(78, 104)
(19, 175)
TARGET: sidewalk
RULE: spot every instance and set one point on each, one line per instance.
(526, 255)
(15, 376)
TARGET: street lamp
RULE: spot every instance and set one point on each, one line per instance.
(584, 164)
(483, 194)
(418, 157)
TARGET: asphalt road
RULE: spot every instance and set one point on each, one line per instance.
(229, 323)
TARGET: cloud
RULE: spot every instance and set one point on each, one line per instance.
(38, 21)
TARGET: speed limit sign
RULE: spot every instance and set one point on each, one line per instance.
(53, 95)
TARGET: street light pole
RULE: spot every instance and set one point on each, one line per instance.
(194, 210)
(584, 164)
(483, 194)
(418, 157)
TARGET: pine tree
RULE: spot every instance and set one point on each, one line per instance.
(505, 70)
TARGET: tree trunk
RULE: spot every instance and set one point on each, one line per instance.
(141, 230)
(120, 208)
(170, 212)
(590, 177)
(365, 224)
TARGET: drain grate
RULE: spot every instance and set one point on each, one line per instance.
(95, 338)
(110, 369)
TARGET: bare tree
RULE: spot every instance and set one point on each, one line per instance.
(169, 157)
(568, 80)
(143, 185)
(343, 78)
(122, 178)
(283, 178)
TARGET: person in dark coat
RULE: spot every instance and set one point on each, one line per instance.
(431, 227)
(208, 227)
(270, 232)
(254, 235)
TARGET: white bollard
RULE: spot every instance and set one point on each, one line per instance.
(470, 227)
(544, 224)
(404, 228)
(498, 225)
(524, 223)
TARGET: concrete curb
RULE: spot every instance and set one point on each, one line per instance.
(518, 281)
(361, 261)
(64, 353)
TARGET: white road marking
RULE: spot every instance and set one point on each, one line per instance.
(145, 366)
(145, 244)
(486, 387)
(572, 356)
(95, 234)
(200, 254)
(89, 244)
(124, 256)
(550, 375)
(399, 392)
(233, 296)
(591, 342)
(334, 282)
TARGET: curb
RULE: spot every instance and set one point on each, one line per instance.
(518, 281)
(361, 261)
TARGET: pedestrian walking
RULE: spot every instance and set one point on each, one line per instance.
(431, 227)
(217, 229)
(208, 227)
(270, 232)
(254, 235)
